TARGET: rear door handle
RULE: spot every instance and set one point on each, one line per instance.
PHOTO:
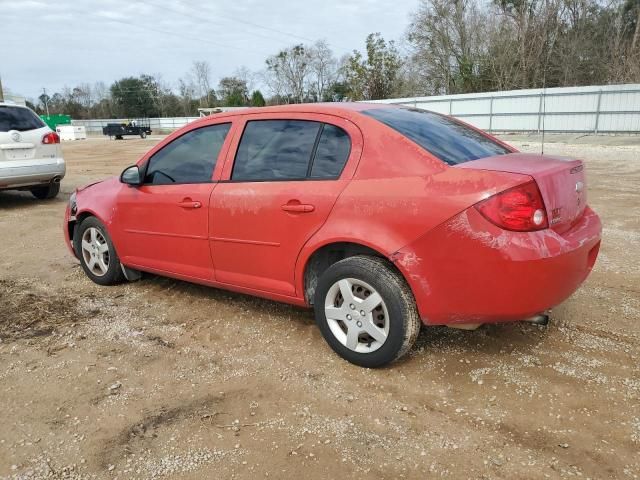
(188, 203)
(298, 208)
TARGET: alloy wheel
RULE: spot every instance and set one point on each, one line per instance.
(95, 251)
(357, 315)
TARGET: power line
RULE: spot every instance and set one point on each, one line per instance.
(256, 25)
(200, 19)
(168, 32)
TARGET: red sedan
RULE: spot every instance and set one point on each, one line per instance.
(380, 217)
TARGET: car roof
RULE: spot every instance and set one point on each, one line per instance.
(344, 109)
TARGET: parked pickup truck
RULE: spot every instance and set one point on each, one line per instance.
(134, 127)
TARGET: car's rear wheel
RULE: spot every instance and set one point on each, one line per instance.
(143, 134)
(97, 254)
(366, 311)
(46, 192)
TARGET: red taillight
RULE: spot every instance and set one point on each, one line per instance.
(51, 138)
(520, 209)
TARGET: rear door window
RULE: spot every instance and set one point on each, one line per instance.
(17, 118)
(190, 158)
(450, 141)
(272, 150)
(275, 150)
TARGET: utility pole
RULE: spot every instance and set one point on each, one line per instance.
(46, 102)
(1, 93)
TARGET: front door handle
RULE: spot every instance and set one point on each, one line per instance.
(298, 207)
(188, 203)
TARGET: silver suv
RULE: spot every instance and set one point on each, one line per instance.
(30, 153)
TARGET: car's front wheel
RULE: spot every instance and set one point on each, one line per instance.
(366, 311)
(97, 253)
(46, 192)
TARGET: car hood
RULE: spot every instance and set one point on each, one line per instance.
(84, 187)
(106, 186)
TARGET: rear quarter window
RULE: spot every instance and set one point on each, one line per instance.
(332, 152)
(20, 119)
(450, 141)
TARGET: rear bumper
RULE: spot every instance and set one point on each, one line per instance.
(41, 171)
(467, 270)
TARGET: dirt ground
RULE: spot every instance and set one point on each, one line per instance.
(161, 378)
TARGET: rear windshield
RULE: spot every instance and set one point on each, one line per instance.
(450, 141)
(16, 118)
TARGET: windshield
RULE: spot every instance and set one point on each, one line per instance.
(450, 141)
(16, 118)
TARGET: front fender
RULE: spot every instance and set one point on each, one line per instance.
(98, 200)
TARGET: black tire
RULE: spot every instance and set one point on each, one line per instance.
(143, 134)
(46, 192)
(113, 274)
(404, 321)
(118, 137)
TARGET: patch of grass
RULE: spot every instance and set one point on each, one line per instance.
(27, 313)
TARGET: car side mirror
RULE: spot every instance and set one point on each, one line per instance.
(131, 176)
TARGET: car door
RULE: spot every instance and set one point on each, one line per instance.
(282, 183)
(164, 223)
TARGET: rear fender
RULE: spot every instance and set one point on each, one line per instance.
(388, 213)
(316, 243)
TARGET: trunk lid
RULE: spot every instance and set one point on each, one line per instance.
(561, 181)
(16, 146)
(21, 133)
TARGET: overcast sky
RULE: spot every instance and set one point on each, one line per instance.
(67, 42)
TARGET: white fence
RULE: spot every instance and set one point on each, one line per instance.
(594, 109)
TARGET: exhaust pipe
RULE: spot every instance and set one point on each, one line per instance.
(540, 319)
(56, 179)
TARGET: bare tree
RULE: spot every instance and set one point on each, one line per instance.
(188, 92)
(247, 76)
(275, 84)
(471, 45)
(289, 71)
(324, 69)
(449, 41)
(623, 62)
(101, 97)
(201, 71)
(534, 27)
(84, 95)
(161, 94)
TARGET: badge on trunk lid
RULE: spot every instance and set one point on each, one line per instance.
(16, 137)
